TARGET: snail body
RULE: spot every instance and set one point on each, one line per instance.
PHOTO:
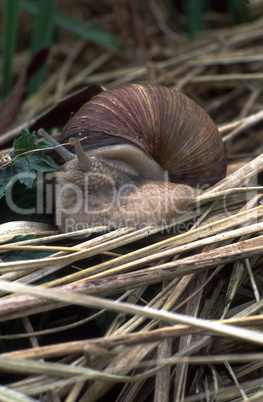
(143, 153)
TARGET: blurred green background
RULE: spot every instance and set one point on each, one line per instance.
(31, 25)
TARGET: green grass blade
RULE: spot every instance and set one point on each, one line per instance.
(238, 10)
(42, 37)
(85, 32)
(10, 22)
(194, 10)
(80, 29)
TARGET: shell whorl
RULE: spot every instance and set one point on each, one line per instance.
(164, 123)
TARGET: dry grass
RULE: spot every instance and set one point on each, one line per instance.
(187, 322)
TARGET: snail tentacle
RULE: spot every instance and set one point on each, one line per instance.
(65, 154)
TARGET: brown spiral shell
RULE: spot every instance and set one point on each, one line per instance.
(164, 123)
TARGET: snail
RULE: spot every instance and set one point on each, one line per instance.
(142, 154)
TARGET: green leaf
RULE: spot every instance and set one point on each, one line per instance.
(26, 142)
(27, 160)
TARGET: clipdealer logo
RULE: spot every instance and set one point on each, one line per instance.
(68, 199)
